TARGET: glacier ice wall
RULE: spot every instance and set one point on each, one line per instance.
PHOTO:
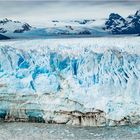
(74, 77)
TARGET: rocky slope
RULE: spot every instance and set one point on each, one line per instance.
(2, 37)
(116, 24)
(7, 25)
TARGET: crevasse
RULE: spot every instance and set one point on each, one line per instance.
(107, 80)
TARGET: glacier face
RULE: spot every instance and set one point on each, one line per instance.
(68, 75)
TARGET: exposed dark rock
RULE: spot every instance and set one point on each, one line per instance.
(21, 27)
(118, 25)
(85, 21)
(3, 37)
(114, 20)
(5, 21)
(69, 27)
(85, 32)
(2, 30)
(25, 27)
(55, 21)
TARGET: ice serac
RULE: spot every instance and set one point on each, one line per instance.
(74, 83)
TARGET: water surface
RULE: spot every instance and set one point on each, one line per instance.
(40, 131)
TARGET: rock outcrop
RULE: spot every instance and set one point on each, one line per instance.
(116, 24)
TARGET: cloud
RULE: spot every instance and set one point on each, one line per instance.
(38, 12)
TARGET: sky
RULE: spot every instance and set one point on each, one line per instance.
(39, 12)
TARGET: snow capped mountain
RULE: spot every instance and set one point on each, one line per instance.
(118, 25)
(16, 29)
(78, 27)
(72, 81)
(7, 25)
(74, 27)
(115, 21)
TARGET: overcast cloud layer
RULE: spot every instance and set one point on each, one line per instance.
(38, 12)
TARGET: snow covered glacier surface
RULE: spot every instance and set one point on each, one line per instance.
(60, 77)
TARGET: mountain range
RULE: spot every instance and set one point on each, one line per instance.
(113, 25)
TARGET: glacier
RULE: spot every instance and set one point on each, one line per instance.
(83, 81)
